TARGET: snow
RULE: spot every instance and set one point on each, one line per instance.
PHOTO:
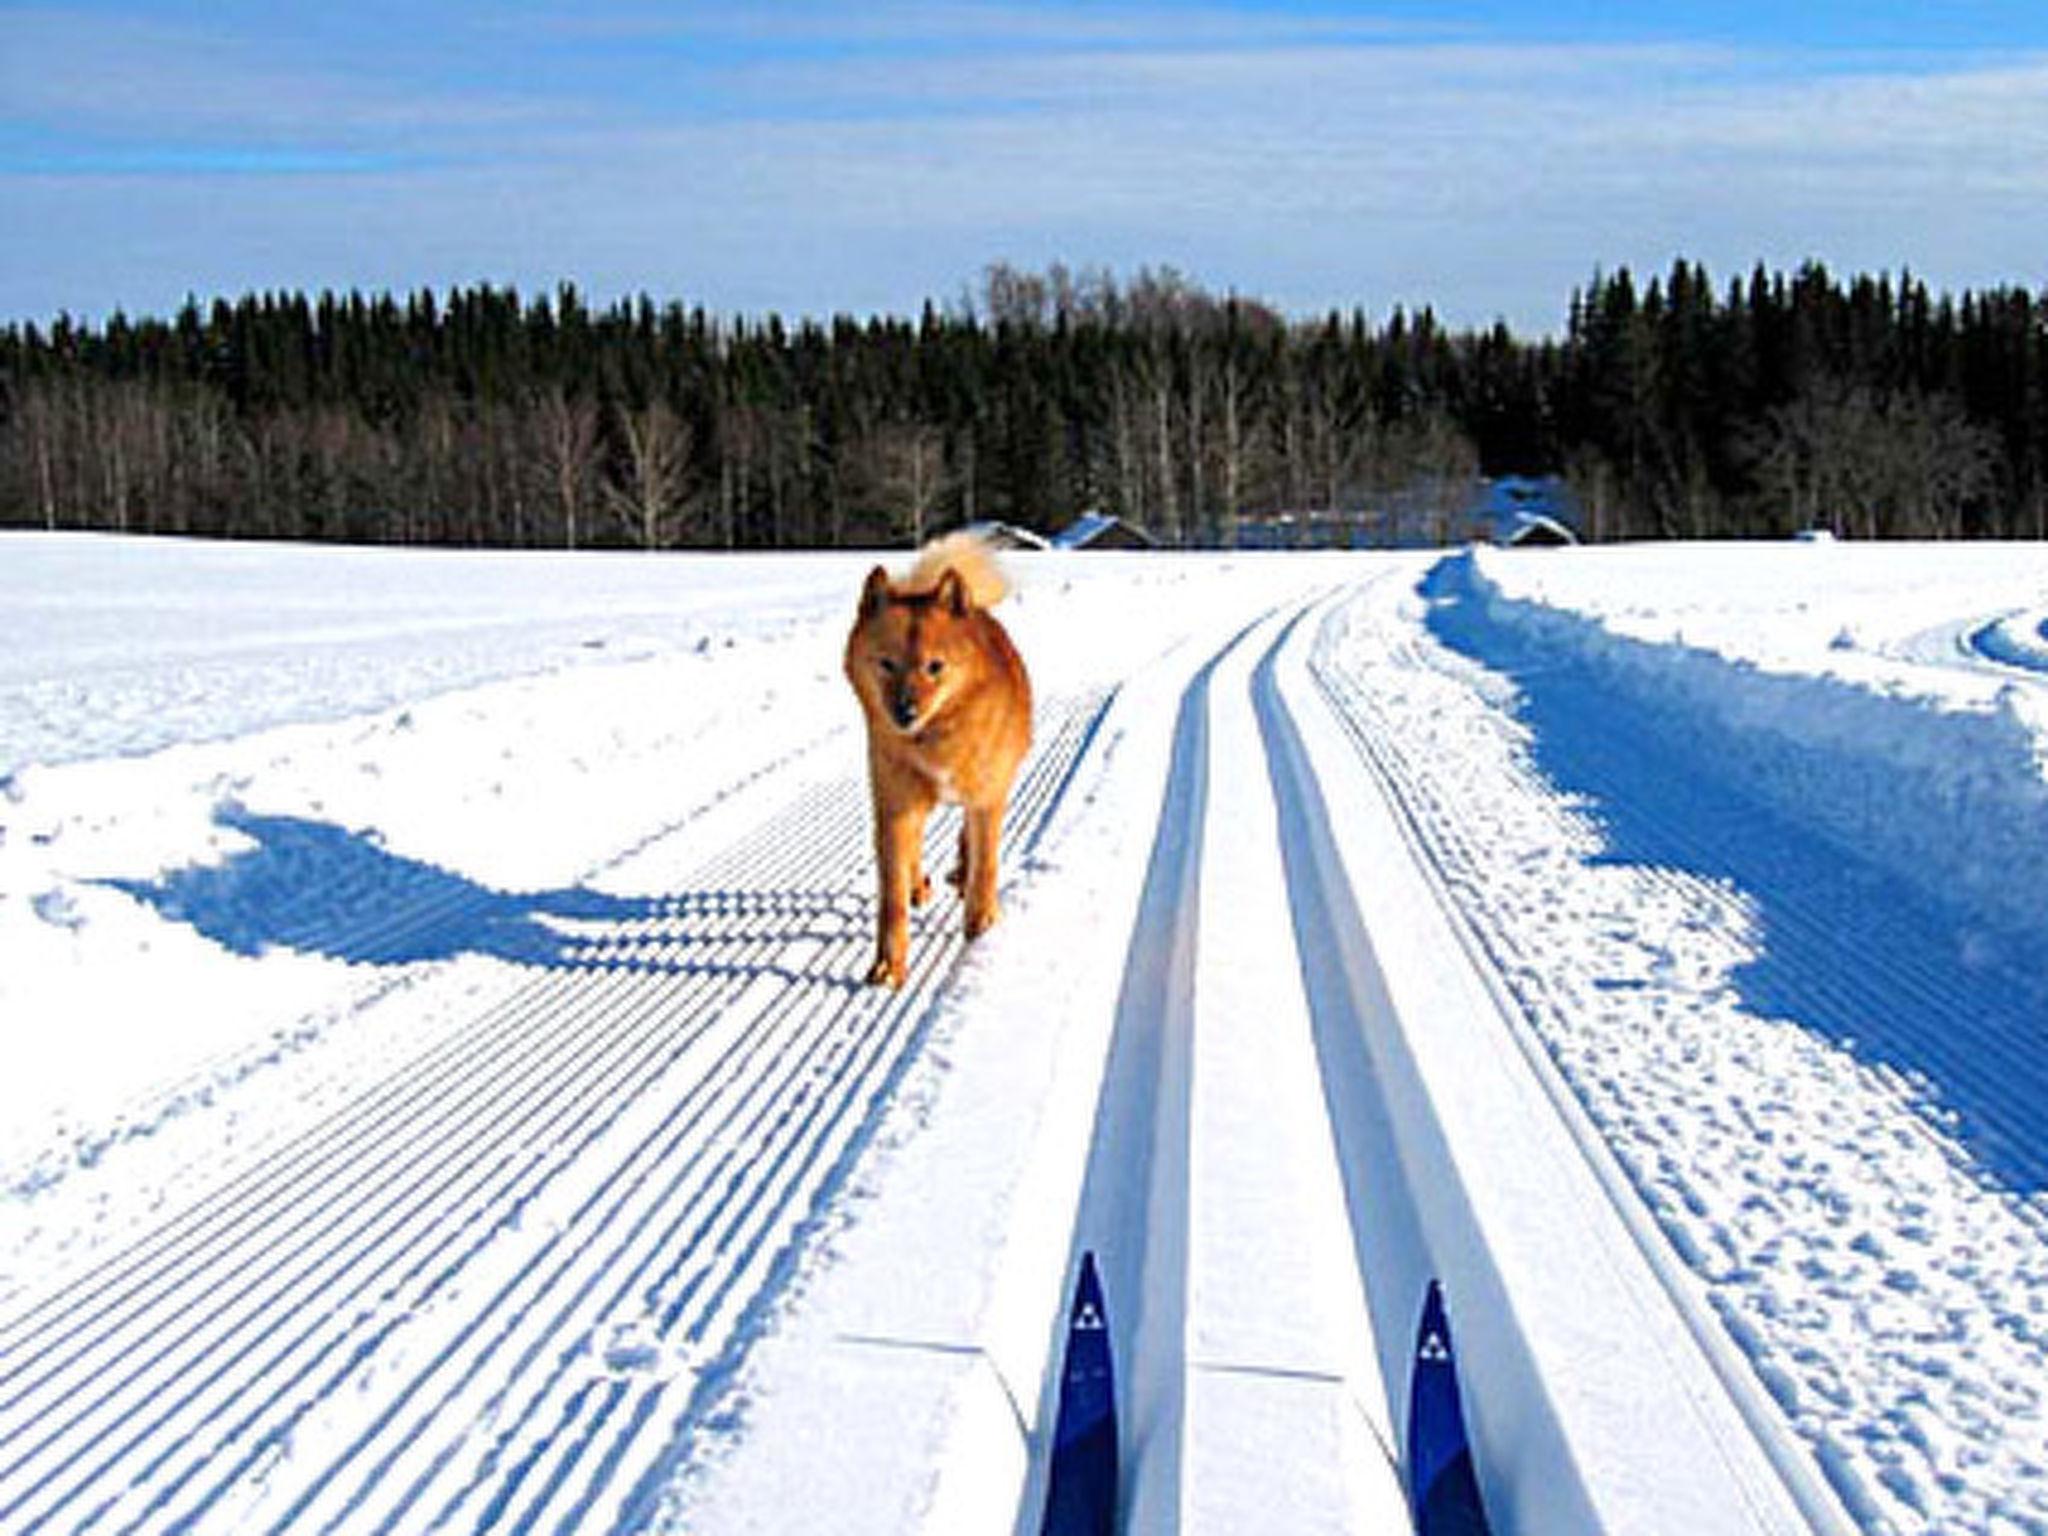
(439, 1094)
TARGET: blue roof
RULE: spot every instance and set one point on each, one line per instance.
(1085, 529)
(1515, 506)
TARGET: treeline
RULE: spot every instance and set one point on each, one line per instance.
(483, 417)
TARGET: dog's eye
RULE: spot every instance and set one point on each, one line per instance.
(888, 665)
(934, 667)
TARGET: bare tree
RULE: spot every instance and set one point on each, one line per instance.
(38, 425)
(1232, 447)
(1940, 461)
(565, 457)
(1592, 480)
(653, 473)
(1903, 465)
(1436, 464)
(1160, 377)
(131, 430)
(906, 464)
(1127, 430)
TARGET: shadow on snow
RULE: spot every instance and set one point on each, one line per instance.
(1852, 952)
(319, 889)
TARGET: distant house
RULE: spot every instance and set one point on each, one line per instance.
(999, 535)
(1518, 512)
(1098, 530)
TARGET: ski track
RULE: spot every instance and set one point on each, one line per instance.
(1134, 1198)
(2013, 645)
(541, 1248)
(2017, 640)
(1182, 1126)
(541, 1245)
(1641, 833)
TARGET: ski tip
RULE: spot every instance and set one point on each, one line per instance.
(1088, 1310)
(1433, 1331)
(1081, 1495)
(1442, 1480)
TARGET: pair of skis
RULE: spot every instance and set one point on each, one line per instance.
(1081, 1496)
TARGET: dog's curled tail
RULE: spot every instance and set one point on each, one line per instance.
(969, 556)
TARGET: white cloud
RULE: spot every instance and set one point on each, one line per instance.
(1311, 165)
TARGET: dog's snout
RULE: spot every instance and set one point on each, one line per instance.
(904, 708)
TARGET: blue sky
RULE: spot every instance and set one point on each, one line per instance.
(813, 157)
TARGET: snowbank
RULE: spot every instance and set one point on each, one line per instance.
(1940, 780)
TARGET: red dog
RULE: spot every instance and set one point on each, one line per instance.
(948, 708)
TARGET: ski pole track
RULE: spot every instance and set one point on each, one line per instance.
(142, 1392)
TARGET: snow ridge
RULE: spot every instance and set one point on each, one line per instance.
(1956, 801)
(1690, 958)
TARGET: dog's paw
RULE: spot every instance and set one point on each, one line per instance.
(981, 919)
(921, 891)
(887, 973)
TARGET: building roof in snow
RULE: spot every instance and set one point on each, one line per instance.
(1093, 528)
(1520, 509)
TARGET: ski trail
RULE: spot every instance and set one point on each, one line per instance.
(2011, 644)
(1134, 1199)
(1199, 1154)
(541, 1245)
(1283, 1360)
(322, 890)
(1592, 928)
(1347, 1000)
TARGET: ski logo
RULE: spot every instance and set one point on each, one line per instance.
(1081, 1488)
(1443, 1488)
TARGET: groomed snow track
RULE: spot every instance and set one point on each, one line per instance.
(540, 1245)
(1406, 1054)
(547, 1250)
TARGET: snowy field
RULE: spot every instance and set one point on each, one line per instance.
(438, 1095)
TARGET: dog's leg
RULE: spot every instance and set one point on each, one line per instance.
(982, 835)
(956, 877)
(899, 833)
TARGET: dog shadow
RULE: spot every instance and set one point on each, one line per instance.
(315, 888)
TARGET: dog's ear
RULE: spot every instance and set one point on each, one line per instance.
(951, 594)
(875, 593)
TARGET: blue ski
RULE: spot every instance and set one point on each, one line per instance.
(1442, 1487)
(1081, 1497)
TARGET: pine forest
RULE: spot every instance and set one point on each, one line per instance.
(1668, 407)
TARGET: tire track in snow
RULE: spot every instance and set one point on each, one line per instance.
(399, 1245)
